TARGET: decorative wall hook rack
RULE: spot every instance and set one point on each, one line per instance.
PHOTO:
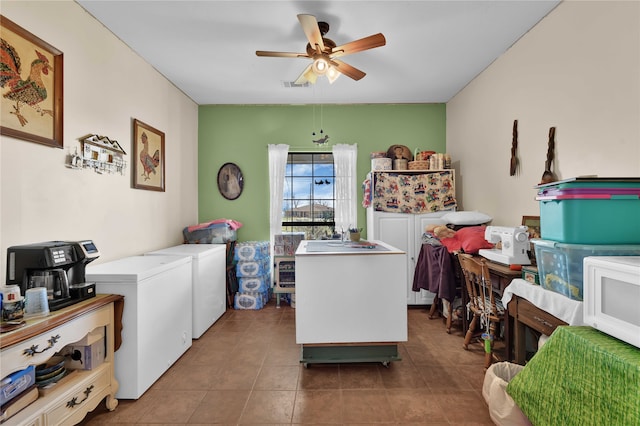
(99, 153)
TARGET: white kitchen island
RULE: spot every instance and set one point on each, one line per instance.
(351, 302)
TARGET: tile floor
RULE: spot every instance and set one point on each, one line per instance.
(245, 370)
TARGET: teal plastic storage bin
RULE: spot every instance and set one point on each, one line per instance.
(591, 211)
(560, 265)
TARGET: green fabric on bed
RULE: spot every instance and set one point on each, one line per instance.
(581, 376)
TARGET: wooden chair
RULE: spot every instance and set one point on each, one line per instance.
(486, 310)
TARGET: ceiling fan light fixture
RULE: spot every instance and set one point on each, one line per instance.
(323, 52)
(320, 65)
(309, 75)
(332, 74)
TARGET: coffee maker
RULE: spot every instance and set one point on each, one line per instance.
(59, 266)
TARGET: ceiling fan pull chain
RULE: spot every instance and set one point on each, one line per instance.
(314, 120)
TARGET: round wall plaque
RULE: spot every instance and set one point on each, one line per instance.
(230, 181)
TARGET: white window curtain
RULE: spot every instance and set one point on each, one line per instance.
(345, 161)
(277, 168)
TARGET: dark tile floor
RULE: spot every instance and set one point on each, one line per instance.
(245, 370)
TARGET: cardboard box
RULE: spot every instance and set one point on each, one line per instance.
(91, 337)
(85, 356)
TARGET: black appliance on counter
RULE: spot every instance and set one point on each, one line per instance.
(59, 266)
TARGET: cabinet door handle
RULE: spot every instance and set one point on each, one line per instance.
(33, 350)
(544, 322)
(74, 401)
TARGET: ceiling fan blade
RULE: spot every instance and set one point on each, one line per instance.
(348, 70)
(311, 30)
(281, 54)
(366, 43)
(307, 76)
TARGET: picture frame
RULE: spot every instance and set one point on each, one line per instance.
(148, 157)
(230, 181)
(533, 223)
(34, 115)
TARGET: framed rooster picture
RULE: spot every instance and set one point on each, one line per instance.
(31, 84)
(148, 157)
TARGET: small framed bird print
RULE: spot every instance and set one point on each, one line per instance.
(31, 83)
(148, 157)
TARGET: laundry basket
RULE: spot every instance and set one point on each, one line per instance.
(502, 408)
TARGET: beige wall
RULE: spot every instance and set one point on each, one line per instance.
(106, 86)
(577, 70)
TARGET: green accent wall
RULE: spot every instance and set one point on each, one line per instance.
(240, 134)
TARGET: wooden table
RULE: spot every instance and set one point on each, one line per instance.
(80, 391)
(529, 305)
(501, 276)
(581, 376)
(523, 313)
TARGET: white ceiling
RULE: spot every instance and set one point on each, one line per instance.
(207, 48)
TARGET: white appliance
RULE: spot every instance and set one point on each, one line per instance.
(208, 282)
(612, 296)
(515, 243)
(156, 320)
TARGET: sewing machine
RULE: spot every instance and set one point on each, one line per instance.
(515, 243)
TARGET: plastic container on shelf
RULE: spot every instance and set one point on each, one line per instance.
(560, 265)
(381, 164)
(218, 233)
(591, 211)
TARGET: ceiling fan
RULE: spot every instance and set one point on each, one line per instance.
(324, 52)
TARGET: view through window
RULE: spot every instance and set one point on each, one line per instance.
(308, 195)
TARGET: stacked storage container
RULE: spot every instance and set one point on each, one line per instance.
(287, 244)
(214, 232)
(284, 249)
(583, 217)
(253, 269)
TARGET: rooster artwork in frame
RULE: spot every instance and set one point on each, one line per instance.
(31, 75)
(148, 162)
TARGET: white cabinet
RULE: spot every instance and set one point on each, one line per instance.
(209, 282)
(79, 392)
(156, 319)
(347, 295)
(414, 191)
(404, 231)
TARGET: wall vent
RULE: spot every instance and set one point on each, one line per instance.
(293, 84)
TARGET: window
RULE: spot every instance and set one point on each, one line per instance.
(309, 196)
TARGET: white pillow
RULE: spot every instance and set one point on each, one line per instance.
(466, 218)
